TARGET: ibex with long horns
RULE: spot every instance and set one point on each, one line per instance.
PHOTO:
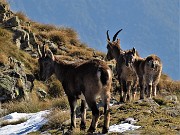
(86, 81)
(127, 76)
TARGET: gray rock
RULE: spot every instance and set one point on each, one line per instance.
(52, 46)
(14, 83)
(3, 7)
(13, 22)
(21, 37)
(171, 98)
(129, 120)
(41, 93)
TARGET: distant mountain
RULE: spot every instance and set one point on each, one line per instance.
(151, 26)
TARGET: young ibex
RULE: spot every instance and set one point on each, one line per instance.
(86, 80)
(152, 68)
(127, 76)
(149, 72)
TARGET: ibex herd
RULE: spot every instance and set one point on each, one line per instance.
(133, 70)
(91, 79)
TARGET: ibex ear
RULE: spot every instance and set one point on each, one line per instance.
(118, 41)
(134, 50)
(49, 54)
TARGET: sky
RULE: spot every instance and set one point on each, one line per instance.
(151, 26)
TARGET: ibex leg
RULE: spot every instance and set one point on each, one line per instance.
(149, 90)
(154, 91)
(95, 115)
(72, 103)
(106, 114)
(83, 115)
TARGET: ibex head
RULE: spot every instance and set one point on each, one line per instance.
(113, 46)
(153, 62)
(129, 57)
(46, 63)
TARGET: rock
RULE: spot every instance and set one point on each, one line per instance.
(130, 121)
(34, 55)
(63, 48)
(4, 7)
(171, 98)
(32, 40)
(172, 111)
(21, 37)
(41, 93)
(14, 83)
(13, 22)
(52, 46)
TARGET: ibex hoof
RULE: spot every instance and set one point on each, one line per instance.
(104, 130)
(82, 126)
(91, 130)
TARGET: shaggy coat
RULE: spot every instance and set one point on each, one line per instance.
(149, 72)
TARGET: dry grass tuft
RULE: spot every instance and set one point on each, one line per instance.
(5, 123)
(4, 2)
(55, 89)
(22, 16)
(56, 119)
(43, 27)
(5, 34)
(61, 103)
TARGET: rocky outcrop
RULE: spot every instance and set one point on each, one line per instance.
(14, 82)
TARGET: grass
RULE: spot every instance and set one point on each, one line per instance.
(5, 123)
(22, 16)
(7, 48)
(56, 118)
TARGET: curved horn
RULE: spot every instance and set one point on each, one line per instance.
(43, 49)
(39, 51)
(114, 38)
(108, 35)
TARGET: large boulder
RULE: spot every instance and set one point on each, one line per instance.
(14, 82)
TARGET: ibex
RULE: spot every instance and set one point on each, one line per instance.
(152, 67)
(86, 81)
(149, 72)
(126, 75)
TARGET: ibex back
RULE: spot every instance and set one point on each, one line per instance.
(87, 80)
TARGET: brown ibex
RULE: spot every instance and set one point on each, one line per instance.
(86, 81)
(126, 75)
(152, 68)
(149, 72)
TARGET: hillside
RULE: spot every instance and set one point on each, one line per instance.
(21, 91)
(152, 27)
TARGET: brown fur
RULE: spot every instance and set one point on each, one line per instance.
(148, 76)
(152, 68)
(91, 79)
(127, 75)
